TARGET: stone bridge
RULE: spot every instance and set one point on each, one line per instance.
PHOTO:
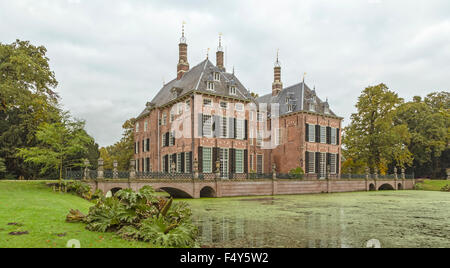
(228, 188)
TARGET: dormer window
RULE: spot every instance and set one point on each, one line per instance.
(312, 107)
(290, 108)
(232, 90)
(326, 110)
(216, 76)
(210, 86)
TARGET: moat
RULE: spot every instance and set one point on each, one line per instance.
(395, 218)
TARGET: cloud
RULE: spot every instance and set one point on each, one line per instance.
(111, 57)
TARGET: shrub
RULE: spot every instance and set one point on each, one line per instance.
(446, 188)
(142, 216)
(296, 173)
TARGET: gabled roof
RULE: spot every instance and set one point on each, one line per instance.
(297, 98)
(196, 80)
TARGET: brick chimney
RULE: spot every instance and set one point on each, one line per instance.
(219, 55)
(183, 65)
(277, 86)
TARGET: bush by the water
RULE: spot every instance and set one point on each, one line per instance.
(297, 173)
(141, 216)
(446, 188)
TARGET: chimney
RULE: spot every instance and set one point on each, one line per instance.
(277, 86)
(183, 65)
(219, 55)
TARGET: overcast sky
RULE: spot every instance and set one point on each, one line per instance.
(111, 57)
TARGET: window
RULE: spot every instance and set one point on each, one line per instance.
(239, 161)
(137, 127)
(164, 119)
(163, 140)
(207, 160)
(240, 128)
(289, 108)
(312, 133)
(259, 138)
(312, 107)
(278, 136)
(172, 115)
(210, 86)
(180, 108)
(207, 125)
(333, 136)
(311, 162)
(323, 134)
(216, 76)
(322, 165)
(171, 138)
(286, 100)
(188, 105)
(145, 146)
(259, 164)
(179, 163)
(136, 147)
(224, 127)
(239, 107)
(260, 117)
(232, 90)
(187, 162)
(333, 158)
(224, 105)
(326, 110)
(207, 102)
(224, 162)
(145, 126)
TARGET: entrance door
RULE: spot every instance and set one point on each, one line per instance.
(224, 162)
(322, 165)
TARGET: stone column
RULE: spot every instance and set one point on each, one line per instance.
(367, 178)
(132, 169)
(395, 173)
(327, 176)
(86, 169)
(115, 172)
(376, 173)
(100, 171)
(195, 167)
(403, 174)
(274, 171)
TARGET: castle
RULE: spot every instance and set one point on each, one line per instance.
(205, 120)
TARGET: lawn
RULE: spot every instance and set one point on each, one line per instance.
(35, 208)
(432, 185)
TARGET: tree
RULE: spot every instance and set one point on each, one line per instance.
(121, 151)
(372, 137)
(428, 122)
(27, 99)
(58, 142)
(2, 165)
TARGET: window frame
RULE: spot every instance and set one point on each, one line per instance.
(207, 167)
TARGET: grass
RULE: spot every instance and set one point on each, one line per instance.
(432, 185)
(42, 212)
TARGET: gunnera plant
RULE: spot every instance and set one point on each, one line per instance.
(142, 216)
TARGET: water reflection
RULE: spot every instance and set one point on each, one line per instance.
(311, 230)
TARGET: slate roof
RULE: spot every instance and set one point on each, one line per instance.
(196, 80)
(295, 98)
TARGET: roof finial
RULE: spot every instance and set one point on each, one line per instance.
(277, 63)
(233, 70)
(182, 39)
(207, 53)
(304, 74)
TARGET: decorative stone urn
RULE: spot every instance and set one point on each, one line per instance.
(100, 174)
(86, 169)
(115, 171)
(395, 173)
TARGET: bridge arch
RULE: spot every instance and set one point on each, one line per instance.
(399, 186)
(207, 191)
(385, 187)
(176, 193)
(372, 187)
(113, 191)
